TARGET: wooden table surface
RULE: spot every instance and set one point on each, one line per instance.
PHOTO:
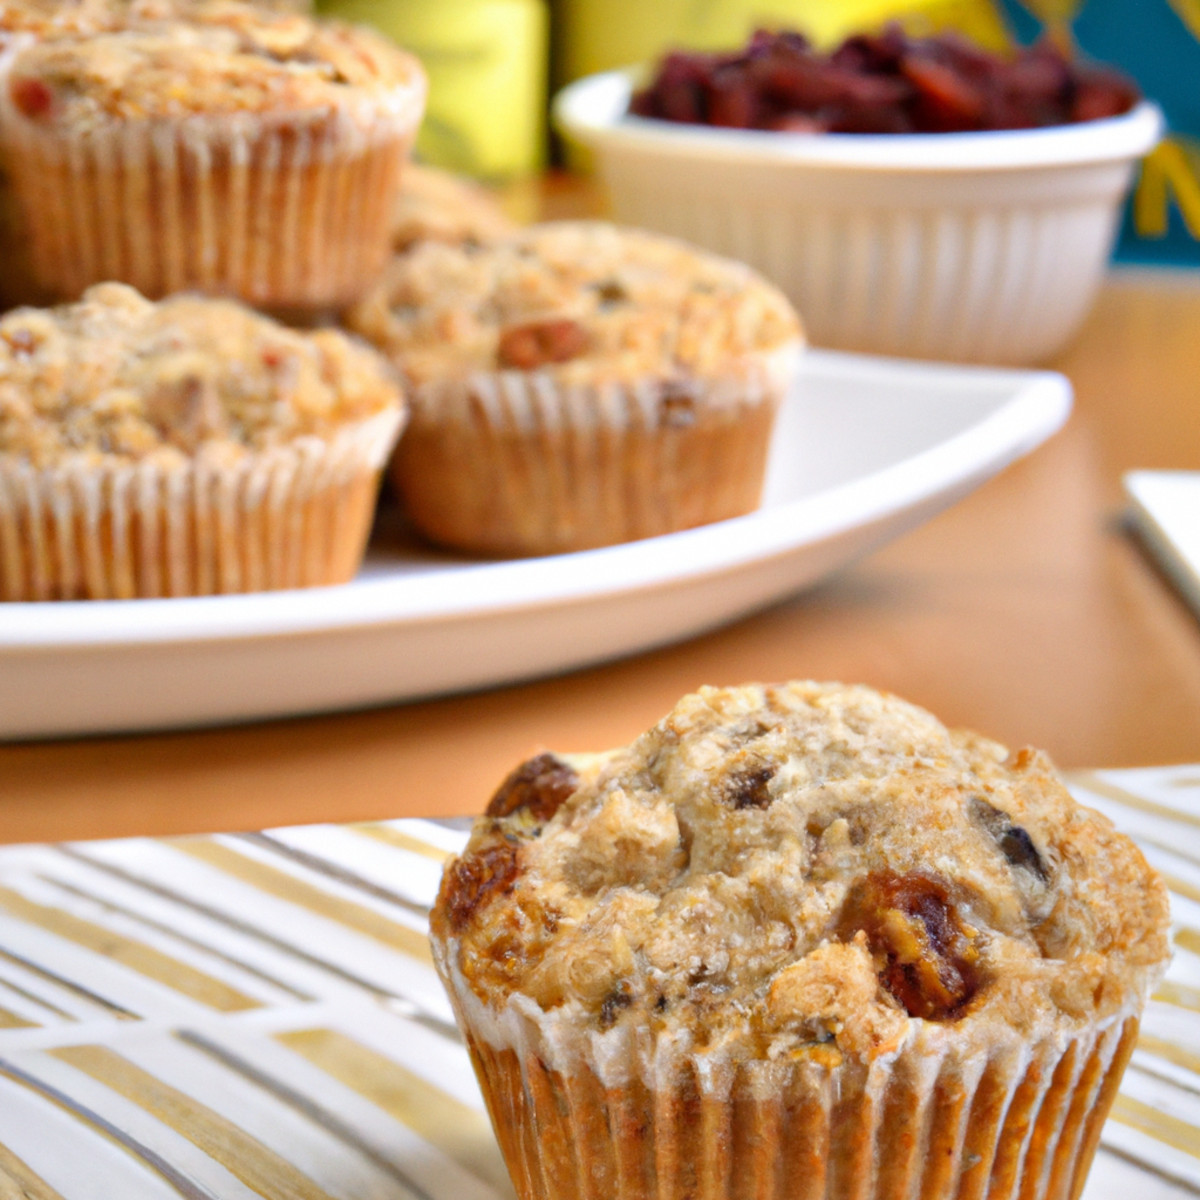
(1027, 611)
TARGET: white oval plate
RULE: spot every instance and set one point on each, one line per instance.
(865, 449)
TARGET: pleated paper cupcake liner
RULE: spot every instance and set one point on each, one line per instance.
(288, 216)
(291, 516)
(624, 1116)
(517, 463)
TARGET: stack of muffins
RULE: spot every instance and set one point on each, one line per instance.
(564, 387)
(154, 442)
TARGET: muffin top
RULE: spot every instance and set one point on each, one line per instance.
(213, 57)
(116, 375)
(585, 300)
(803, 870)
(51, 18)
(439, 206)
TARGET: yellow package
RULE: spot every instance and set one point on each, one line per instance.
(487, 66)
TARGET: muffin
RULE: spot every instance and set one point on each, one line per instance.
(439, 206)
(183, 448)
(227, 149)
(579, 384)
(798, 941)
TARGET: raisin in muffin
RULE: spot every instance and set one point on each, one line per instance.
(579, 384)
(798, 940)
(183, 448)
(216, 146)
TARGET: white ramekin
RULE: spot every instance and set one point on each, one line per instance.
(975, 247)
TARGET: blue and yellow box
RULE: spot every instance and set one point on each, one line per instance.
(1158, 43)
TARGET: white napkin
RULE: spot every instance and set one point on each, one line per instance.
(1165, 507)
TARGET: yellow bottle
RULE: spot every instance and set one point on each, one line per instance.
(486, 61)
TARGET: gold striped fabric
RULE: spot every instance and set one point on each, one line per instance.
(256, 1015)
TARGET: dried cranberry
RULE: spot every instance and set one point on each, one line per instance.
(31, 96)
(538, 786)
(473, 881)
(946, 102)
(880, 83)
(925, 954)
(732, 103)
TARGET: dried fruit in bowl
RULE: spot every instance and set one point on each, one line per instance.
(881, 83)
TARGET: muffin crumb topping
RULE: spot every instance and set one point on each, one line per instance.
(803, 869)
(219, 56)
(585, 299)
(118, 375)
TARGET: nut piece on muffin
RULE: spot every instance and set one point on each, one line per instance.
(185, 447)
(227, 149)
(579, 384)
(798, 940)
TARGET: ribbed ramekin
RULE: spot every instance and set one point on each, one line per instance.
(974, 247)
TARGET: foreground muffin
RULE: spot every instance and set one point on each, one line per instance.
(798, 940)
(224, 148)
(183, 448)
(579, 384)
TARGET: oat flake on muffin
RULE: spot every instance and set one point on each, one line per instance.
(799, 940)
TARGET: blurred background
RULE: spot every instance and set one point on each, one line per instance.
(493, 65)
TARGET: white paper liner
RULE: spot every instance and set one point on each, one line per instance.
(620, 1115)
(518, 462)
(536, 401)
(296, 515)
(284, 214)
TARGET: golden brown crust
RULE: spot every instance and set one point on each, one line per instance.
(812, 869)
(54, 18)
(51, 18)
(224, 56)
(116, 376)
(624, 305)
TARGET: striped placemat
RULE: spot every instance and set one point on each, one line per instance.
(256, 1015)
